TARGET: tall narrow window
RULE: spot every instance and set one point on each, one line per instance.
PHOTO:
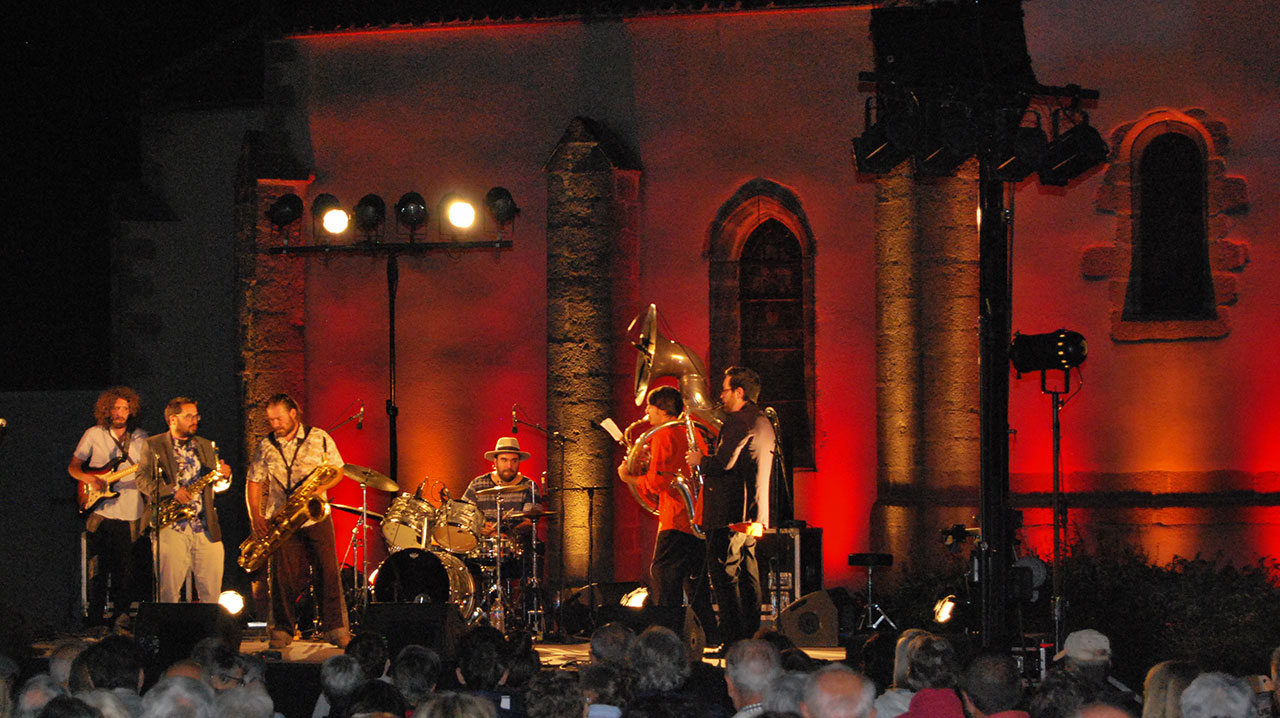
(771, 307)
(1169, 277)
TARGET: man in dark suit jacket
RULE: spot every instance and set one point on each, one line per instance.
(176, 463)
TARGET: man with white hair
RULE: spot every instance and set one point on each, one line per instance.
(1217, 695)
(837, 691)
(751, 666)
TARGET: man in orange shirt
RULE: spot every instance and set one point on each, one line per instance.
(679, 556)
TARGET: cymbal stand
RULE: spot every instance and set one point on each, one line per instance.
(357, 546)
(501, 609)
(534, 618)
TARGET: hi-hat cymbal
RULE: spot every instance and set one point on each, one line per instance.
(530, 514)
(501, 489)
(369, 477)
(355, 510)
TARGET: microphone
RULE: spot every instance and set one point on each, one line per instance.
(360, 417)
(515, 423)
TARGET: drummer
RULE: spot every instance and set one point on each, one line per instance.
(506, 457)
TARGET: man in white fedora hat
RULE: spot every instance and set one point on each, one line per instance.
(506, 457)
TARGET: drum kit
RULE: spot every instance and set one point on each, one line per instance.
(442, 555)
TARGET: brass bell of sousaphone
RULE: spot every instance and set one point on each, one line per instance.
(660, 358)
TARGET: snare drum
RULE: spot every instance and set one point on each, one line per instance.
(419, 576)
(457, 526)
(486, 551)
(407, 523)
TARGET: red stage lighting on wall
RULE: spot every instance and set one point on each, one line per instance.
(1062, 349)
(285, 211)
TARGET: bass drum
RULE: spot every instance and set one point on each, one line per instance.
(419, 576)
(407, 523)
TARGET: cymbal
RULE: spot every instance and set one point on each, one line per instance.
(369, 477)
(501, 489)
(530, 514)
(355, 510)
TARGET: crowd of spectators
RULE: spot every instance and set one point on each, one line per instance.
(654, 674)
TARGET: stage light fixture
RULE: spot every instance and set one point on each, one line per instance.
(328, 212)
(370, 213)
(880, 147)
(1019, 150)
(1062, 349)
(285, 211)
(501, 206)
(460, 213)
(944, 609)
(1072, 153)
(635, 598)
(950, 138)
(232, 601)
(411, 210)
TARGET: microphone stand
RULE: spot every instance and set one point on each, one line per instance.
(156, 473)
(560, 440)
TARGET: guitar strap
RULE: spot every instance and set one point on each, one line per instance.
(123, 445)
(288, 463)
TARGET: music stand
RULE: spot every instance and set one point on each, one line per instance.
(875, 615)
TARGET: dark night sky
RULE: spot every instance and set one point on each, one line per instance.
(73, 107)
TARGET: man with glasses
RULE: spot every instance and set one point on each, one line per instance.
(735, 502)
(173, 462)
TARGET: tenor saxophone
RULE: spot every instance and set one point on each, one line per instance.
(172, 511)
(302, 506)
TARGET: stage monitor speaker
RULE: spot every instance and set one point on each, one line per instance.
(436, 626)
(166, 632)
(680, 619)
(811, 621)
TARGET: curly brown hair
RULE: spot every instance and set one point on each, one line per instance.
(108, 399)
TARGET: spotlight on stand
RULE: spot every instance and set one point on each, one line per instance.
(285, 211)
(1072, 153)
(411, 212)
(232, 601)
(881, 146)
(327, 211)
(501, 206)
(635, 598)
(1019, 149)
(1062, 349)
(370, 214)
(944, 609)
(459, 213)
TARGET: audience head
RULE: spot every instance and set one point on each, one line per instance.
(222, 669)
(993, 682)
(37, 692)
(661, 705)
(375, 696)
(370, 649)
(68, 707)
(837, 691)
(106, 702)
(255, 669)
(750, 667)
(482, 659)
(188, 667)
(113, 662)
(611, 643)
(1100, 710)
(1217, 695)
(523, 665)
(658, 661)
(1061, 692)
(415, 671)
(603, 684)
(455, 705)
(1162, 689)
(179, 696)
(902, 655)
(339, 678)
(62, 656)
(1087, 652)
(554, 694)
(932, 663)
(245, 701)
(875, 659)
(786, 694)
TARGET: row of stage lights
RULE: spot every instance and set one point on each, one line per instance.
(457, 215)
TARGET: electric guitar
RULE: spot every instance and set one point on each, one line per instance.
(89, 498)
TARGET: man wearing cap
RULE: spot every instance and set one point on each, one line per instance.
(506, 457)
(1088, 653)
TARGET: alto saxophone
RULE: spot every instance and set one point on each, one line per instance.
(302, 506)
(172, 511)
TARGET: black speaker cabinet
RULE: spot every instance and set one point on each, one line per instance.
(434, 625)
(166, 632)
(798, 552)
(811, 621)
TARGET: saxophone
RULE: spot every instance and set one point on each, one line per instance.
(301, 507)
(172, 511)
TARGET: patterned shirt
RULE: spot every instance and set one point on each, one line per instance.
(284, 465)
(488, 503)
(187, 461)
